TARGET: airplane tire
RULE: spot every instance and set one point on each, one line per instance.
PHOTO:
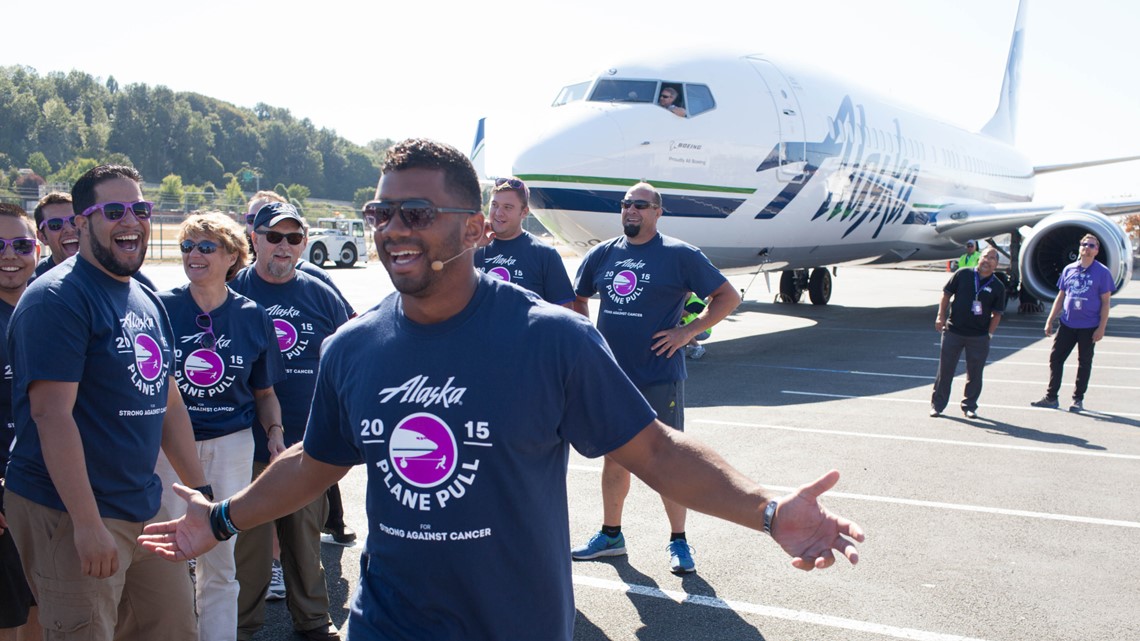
(819, 287)
(347, 256)
(318, 255)
(790, 291)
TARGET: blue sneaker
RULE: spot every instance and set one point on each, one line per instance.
(599, 545)
(681, 557)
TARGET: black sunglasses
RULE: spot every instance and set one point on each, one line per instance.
(1091, 245)
(639, 204)
(204, 246)
(275, 237)
(417, 213)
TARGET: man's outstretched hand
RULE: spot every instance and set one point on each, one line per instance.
(809, 533)
(183, 538)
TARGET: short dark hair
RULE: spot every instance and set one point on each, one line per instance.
(83, 192)
(8, 210)
(458, 173)
(54, 198)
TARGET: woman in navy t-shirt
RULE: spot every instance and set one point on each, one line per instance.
(226, 363)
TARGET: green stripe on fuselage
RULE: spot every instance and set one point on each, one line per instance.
(626, 182)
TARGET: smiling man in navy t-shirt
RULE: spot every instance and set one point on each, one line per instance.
(94, 400)
(644, 279)
(467, 501)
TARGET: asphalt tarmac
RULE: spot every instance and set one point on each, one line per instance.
(1022, 524)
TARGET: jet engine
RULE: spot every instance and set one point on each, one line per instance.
(1055, 242)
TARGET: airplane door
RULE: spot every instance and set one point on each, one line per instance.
(789, 120)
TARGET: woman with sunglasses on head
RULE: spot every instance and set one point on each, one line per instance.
(227, 362)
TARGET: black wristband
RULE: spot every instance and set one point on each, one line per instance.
(207, 491)
(220, 524)
(770, 516)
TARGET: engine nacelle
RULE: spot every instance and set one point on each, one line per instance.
(1055, 243)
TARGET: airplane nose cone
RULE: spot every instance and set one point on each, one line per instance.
(576, 141)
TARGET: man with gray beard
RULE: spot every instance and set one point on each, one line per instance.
(304, 311)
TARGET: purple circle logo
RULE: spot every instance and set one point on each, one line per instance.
(204, 368)
(148, 357)
(286, 334)
(502, 273)
(423, 450)
(625, 282)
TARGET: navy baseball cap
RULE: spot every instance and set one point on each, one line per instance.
(274, 213)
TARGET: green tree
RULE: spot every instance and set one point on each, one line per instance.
(233, 197)
(72, 170)
(362, 195)
(171, 193)
(298, 194)
(38, 163)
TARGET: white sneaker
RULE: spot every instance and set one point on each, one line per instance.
(276, 590)
(695, 352)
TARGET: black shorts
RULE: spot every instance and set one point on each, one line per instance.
(15, 595)
(668, 400)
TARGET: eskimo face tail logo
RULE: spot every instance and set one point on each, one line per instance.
(148, 357)
(423, 450)
(286, 334)
(204, 368)
(625, 282)
(501, 273)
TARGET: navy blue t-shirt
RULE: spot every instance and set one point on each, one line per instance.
(7, 426)
(643, 291)
(529, 263)
(465, 427)
(217, 382)
(47, 263)
(303, 311)
(77, 324)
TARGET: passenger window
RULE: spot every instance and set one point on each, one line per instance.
(698, 99)
(616, 90)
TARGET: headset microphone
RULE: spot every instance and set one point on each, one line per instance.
(437, 265)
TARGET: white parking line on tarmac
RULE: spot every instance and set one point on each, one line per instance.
(916, 439)
(771, 612)
(1019, 363)
(1049, 516)
(856, 372)
(927, 402)
(1050, 348)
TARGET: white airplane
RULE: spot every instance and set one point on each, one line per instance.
(779, 168)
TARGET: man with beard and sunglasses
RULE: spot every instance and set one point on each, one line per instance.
(513, 254)
(467, 485)
(94, 401)
(304, 312)
(56, 229)
(644, 279)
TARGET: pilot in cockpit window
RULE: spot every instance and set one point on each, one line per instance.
(668, 100)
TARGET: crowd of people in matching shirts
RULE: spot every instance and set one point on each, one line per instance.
(132, 410)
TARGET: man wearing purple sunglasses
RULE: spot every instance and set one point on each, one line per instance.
(93, 401)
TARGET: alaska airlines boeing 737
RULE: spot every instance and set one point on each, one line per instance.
(784, 169)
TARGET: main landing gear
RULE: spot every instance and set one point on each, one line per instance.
(794, 282)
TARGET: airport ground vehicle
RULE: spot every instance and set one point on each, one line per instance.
(342, 239)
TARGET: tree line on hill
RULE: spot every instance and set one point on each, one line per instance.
(207, 151)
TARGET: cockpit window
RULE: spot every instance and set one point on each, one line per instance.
(571, 93)
(699, 99)
(617, 90)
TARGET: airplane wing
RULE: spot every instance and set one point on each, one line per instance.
(974, 220)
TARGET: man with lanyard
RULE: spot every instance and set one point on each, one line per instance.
(645, 278)
(1082, 304)
(514, 255)
(56, 223)
(18, 251)
(466, 475)
(94, 400)
(975, 299)
(304, 312)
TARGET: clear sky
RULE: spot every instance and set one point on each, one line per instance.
(397, 69)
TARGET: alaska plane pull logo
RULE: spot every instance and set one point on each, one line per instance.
(877, 187)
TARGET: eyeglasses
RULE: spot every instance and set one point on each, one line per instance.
(116, 210)
(275, 237)
(56, 224)
(417, 213)
(638, 204)
(22, 246)
(1089, 245)
(206, 324)
(204, 246)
